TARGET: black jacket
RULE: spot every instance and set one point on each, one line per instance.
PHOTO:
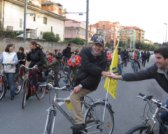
(21, 56)
(89, 73)
(35, 57)
(150, 73)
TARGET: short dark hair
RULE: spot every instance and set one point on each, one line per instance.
(162, 51)
(69, 45)
(8, 46)
(34, 43)
(21, 48)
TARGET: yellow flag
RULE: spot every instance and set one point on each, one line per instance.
(110, 85)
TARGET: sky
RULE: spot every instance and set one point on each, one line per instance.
(149, 15)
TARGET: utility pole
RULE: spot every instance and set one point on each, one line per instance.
(87, 21)
(25, 18)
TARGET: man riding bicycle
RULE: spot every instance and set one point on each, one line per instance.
(93, 64)
(159, 72)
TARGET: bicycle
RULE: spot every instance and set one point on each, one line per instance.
(147, 127)
(94, 124)
(4, 83)
(67, 77)
(26, 87)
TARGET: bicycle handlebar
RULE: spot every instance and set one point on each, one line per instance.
(28, 67)
(155, 101)
(58, 88)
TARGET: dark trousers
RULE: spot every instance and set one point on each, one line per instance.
(164, 118)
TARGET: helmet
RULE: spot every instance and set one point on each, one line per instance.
(97, 38)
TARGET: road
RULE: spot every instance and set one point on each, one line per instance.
(127, 107)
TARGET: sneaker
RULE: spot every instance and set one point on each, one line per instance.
(78, 127)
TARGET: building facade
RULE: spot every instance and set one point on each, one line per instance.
(74, 29)
(131, 35)
(38, 20)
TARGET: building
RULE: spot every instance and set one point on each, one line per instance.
(74, 29)
(131, 35)
(38, 20)
(109, 30)
(53, 7)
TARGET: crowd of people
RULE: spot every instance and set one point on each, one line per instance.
(93, 64)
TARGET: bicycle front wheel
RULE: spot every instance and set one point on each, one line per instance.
(18, 84)
(40, 92)
(140, 129)
(50, 122)
(99, 119)
(26, 86)
(2, 90)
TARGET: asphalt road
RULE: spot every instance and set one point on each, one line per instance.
(127, 107)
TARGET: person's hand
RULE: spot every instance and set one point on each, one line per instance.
(77, 89)
(115, 76)
(106, 74)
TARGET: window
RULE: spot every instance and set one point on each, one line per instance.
(34, 18)
(44, 20)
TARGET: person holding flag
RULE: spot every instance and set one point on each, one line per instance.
(93, 65)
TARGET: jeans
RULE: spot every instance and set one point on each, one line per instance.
(10, 78)
(164, 117)
(120, 66)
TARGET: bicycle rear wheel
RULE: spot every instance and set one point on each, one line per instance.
(99, 119)
(26, 86)
(140, 129)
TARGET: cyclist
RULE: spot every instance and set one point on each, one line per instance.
(21, 57)
(93, 64)
(158, 71)
(36, 58)
(9, 60)
(135, 60)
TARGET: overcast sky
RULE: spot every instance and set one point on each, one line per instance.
(150, 15)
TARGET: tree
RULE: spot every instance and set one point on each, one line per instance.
(77, 41)
(51, 37)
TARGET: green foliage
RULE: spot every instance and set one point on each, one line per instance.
(8, 34)
(150, 47)
(51, 37)
(77, 41)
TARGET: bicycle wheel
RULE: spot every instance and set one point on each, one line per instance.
(2, 90)
(40, 92)
(18, 84)
(25, 88)
(50, 122)
(140, 129)
(99, 119)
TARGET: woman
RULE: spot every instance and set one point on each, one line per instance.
(9, 60)
(36, 58)
(21, 57)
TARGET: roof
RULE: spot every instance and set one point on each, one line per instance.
(38, 9)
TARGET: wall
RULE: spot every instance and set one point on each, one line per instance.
(48, 46)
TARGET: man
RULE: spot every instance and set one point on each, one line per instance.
(159, 72)
(93, 64)
(67, 52)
